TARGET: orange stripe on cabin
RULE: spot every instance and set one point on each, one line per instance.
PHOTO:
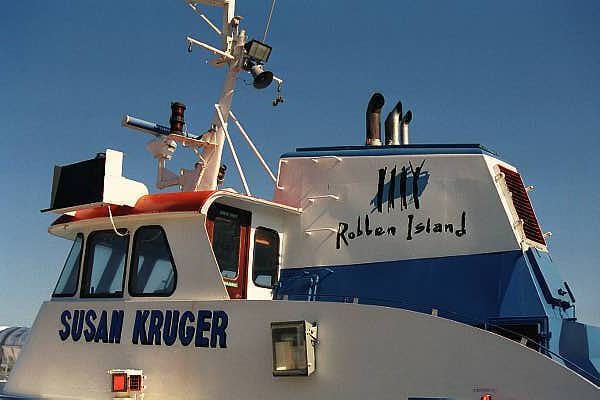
(151, 203)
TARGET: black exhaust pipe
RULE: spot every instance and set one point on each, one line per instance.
(392, 125)
(374, 120)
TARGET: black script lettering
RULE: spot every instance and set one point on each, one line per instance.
(368, 229)
(359, 231)
(419, 228)
(341, 234)
(463, 221)
(410, 222)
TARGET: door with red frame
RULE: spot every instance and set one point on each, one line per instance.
(229, 232)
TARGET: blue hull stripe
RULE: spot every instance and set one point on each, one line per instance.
(470, 288)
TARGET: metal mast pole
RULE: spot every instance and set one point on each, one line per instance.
(233, 44)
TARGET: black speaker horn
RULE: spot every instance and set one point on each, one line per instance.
(262, 78)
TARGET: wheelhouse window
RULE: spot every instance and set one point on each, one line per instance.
(228, 229)
(226, 240)
(69, 277)
(105, 264)
(152, 268)
(266, 257)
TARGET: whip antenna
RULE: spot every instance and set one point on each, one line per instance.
(269, 20)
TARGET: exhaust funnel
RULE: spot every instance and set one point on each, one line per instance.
(392, 125)
(405, 121)
(373, 119)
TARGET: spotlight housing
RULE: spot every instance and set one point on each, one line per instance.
(258, 51)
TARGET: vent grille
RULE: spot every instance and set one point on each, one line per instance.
(522, 205)
(135, 383)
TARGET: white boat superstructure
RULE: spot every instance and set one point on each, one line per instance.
(388, 270)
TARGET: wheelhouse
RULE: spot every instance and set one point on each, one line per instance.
(177, 245)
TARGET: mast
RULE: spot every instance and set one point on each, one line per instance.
(233, 45)
(237, 56)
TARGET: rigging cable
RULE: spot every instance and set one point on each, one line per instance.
(113, 224)
(269, 20)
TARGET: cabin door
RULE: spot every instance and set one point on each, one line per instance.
(229, 232)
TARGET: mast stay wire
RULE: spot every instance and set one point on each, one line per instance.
(269, 20)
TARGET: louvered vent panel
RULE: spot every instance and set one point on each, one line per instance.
(135, 383)
(522, 204)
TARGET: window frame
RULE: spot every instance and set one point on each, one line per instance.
(237, 287)
(264, 228)
(83, 243)
(132, 258)
(84, 294)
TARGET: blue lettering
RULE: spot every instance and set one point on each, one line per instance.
(116, 326)
(77, 327)
(65, 317)
(90, 330)
(102, 329)
(219, 324)
(156, 320)
(203, 326)
(139, 328)
(186, 333)
(170, 327)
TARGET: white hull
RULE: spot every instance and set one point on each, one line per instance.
(365, 352)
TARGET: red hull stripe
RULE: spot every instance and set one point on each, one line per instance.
(152, 203)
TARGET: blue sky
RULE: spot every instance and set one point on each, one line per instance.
(522, 77)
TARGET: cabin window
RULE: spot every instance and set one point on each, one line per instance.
(226, 242)
(229, 231)
(152, 268)
(266, 257)
(69, 277)
(105, 264)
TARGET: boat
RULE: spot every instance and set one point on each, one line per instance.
(384, 270)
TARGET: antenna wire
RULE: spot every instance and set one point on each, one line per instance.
(269, 20)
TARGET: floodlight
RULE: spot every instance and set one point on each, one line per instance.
(258, 51)
(293, 348)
